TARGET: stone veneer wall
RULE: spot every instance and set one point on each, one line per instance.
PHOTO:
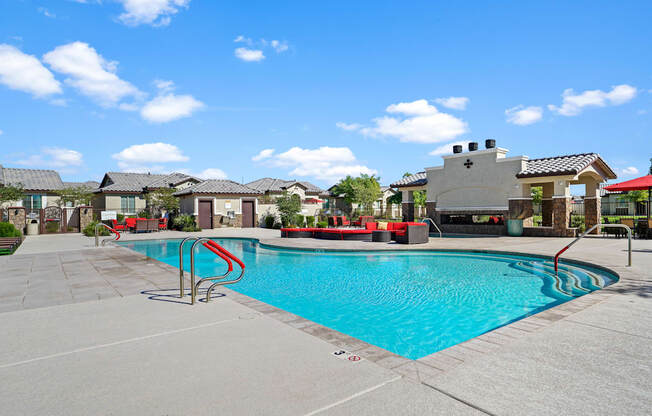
(408, 211)
(519, 208)
(85, 216)
(17, 217)
(592, 207)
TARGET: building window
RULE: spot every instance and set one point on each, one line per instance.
(128, 204)
(32, 202)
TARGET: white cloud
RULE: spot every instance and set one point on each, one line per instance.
(631, 170)
(279, 46)
(212, 173)
(55, 157)
(573, 104)
(150, 12)
(348, 127)
(23, 72)
(1, 132)
(242, 39)
(136, 158)
(169, 107)
(164, 85)
(45, 12)
(523, 116)
(324, 163)
(448, 148)
(249, 55)
(264, 154)
(421, 122)
(455, 103)
(90, 73)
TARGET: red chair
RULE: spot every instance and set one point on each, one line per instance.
(118, 227)
(342, 221)
(130, 223)
(163, 224)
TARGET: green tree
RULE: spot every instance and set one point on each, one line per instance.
(76, 195)
(537, 194)
(11, 193)
(366, 191)
(634, 196)
(344, 189)
(288, 206)
(163, 199)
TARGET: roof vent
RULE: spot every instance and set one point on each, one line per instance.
(457, 148)
(490, 143)
(473, 146)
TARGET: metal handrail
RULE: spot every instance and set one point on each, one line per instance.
(97, 236)
(227, 254)
(629, 244)
(181, 263)
(433, 223)
(194, 287)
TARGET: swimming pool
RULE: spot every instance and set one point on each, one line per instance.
(412, 304)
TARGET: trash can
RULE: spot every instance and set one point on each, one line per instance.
(32, 227)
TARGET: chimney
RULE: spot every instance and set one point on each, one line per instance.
(457, 148)
(490, 143)
(473, 146)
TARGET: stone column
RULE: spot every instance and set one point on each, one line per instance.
(431, 212)
(546, 205)
(408, 206)
(17, 217)
(85, 216)
(561, 214)
(592, 205)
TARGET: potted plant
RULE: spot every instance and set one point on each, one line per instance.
(515, 224)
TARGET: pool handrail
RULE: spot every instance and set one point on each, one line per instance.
(425, 220)
(97, 235)
(629, 244)
(222, 253)
(181, 263)
(228, 254)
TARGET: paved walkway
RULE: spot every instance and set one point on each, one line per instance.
(149, 354)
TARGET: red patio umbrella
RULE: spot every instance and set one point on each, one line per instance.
(639, 184)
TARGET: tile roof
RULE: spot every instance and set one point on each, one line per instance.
(32, 179)
(88, 184)
(418, 179)
(562, 165)
(135, 182)
(279, 185)
(218, 186)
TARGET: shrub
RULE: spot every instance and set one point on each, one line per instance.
(185, 222)
(310, 221)
(277, 226)
(89, 230)
(51, 226)
(143, 214)
(269, 221)
(298, 219)
(7, 229)
(120, 218)
(322, 224)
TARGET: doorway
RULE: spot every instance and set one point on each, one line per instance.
(205, 214)
(248, 214)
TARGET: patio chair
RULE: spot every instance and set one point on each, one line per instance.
(332, 221)
(163, 224)
(412, 233)
(152, 225)
(141, 225)
(130, 223)
(628, 222)
(118, 227)
(342, 221)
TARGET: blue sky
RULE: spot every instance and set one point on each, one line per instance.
(204, 86)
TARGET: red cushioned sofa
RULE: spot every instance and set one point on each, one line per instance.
(402, 232)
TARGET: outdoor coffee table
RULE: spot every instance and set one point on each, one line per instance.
(381, 236)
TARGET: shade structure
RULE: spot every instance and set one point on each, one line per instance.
(639, 184)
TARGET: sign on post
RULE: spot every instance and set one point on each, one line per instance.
(109, 215)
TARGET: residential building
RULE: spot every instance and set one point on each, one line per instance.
(218, 203)
(312, 196)
(125, 192)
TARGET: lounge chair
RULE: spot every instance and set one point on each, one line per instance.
(411, 233)
(118, 227)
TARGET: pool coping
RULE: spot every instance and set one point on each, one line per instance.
(440, 362)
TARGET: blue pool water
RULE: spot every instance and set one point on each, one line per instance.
(412, 304)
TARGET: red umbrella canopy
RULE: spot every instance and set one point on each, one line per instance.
(639, 184)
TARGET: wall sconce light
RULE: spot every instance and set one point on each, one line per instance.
(85, 211)
(15, 212)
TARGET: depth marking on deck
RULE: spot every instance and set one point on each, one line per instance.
(111, 344)
(353, 396)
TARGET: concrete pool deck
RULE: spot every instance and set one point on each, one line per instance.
(97, 331)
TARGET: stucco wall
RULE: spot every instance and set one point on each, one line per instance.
(486, 185)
